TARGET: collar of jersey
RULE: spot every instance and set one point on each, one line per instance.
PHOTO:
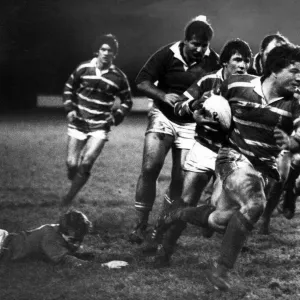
(175, 48)
(258, 89)
(98, 72)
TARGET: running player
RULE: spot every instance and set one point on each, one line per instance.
(89, 96)
(164, 77)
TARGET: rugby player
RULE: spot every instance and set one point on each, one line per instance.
(265, 113)
(199, 166)
(164, 77)
(55, 243)
(89, 96)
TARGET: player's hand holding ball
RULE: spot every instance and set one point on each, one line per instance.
(214, 114)
(171, 98)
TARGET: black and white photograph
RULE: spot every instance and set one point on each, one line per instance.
(149, 150)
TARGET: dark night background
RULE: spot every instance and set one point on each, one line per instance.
(42, 41)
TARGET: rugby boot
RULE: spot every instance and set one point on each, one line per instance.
(151, 244)
(157, 232)
(237, 231)
(217, 275)
(162, 258)
(138, 235)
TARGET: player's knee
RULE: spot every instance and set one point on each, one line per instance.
(254, 210)
(151, 170)
(71, 163)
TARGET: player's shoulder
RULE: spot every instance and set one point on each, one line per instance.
(244, 78)
(46, 228)
(168, 50)
(86, 64)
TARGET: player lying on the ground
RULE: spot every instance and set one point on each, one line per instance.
(265, 113)
(56, 243)
(199, 166)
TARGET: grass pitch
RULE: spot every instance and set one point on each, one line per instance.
(32, 181)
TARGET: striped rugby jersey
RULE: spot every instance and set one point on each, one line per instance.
(203, 89)
(254, 120)
(92, 94)
(168, 68)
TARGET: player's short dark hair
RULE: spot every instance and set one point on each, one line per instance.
(199, 28)
(278, 37)
(110, 40)
(235, 46)
(280, 57)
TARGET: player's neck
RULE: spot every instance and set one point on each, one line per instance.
(269, 90)
(102, 66)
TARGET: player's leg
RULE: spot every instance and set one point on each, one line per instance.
(156, 147)
(291, 190)
(75, 144)
(241, 187)
(275, 190)
(199, 168)
(92, 150)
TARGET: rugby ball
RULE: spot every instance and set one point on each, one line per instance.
(217, 104)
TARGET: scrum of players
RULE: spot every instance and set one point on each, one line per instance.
(250, 168)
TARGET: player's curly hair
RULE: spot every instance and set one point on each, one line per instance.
(200, 28)
(280, 57)
(75, 221)
(278, 37)
(235, 46)
(110, 40)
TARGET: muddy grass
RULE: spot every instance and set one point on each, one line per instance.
(32, 180)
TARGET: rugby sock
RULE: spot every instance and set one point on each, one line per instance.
(197, 216)
(142, 216)
(289, 203)
(291, 179)
(237, 231)
(72, 172)
(172, 235)
(272, 199)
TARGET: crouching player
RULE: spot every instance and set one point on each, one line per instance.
(56, 243)
(265, 113)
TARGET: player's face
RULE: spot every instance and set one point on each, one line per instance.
(237, 64)
(288, 79)
(194, 49)
(268, 49)
(106, 54)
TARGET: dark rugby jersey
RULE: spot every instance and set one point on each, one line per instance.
(203, 89)
(43, 242)
(92, 94)
(169, 69)
(254, 120)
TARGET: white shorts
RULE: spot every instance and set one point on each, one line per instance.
(183, 133)
(79, 135)
(200, 159)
